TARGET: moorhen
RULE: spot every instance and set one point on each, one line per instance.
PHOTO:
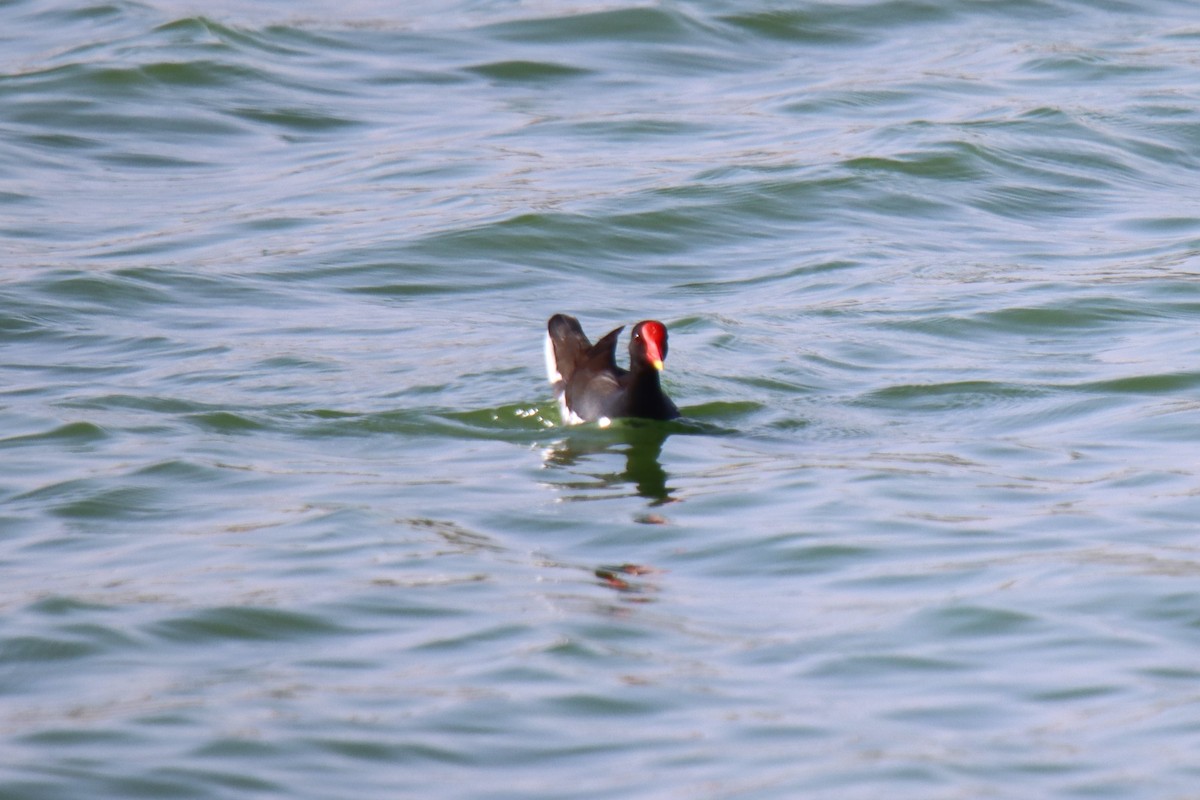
(588, 384)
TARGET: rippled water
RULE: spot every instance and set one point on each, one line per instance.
(285, 506)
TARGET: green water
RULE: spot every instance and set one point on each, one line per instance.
(286, 508)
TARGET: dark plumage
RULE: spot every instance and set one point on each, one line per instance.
(588, 384)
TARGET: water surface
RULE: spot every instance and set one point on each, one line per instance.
(286, 509)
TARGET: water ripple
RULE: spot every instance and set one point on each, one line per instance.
(286, 507)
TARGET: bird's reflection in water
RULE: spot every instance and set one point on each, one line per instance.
(641, 442)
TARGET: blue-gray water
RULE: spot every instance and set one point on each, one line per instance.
(285, 507)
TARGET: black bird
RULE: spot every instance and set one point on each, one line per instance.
(588, 384)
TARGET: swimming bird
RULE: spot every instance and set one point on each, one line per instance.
(588, 384)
